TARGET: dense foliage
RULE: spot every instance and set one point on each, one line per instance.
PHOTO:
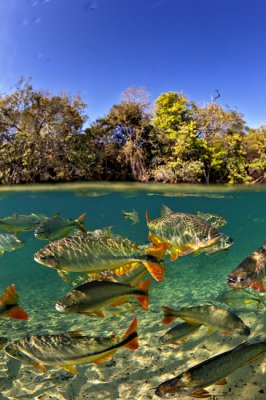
(43, 139)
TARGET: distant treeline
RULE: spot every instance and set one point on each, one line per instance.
(43, 139)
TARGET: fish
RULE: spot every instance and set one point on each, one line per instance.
(223, 244)
(180, 233)
(18, 223)
(250, 272)
(95, 253)
(9, 307)
(211, 315)
(132, 276)
(56, 227)
(131, 215)
(233, 297)
(69, 349)
(9, 243)
(179, 333)
(92, 297)
(215, 220)
(214, 370)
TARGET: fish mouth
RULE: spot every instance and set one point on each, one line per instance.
(230, 280)
(59, 307)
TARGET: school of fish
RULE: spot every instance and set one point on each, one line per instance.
(113, 270)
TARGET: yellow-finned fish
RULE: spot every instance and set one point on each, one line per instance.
(95, 253)
(9, 307)
(181, 233)
(67, 350)
(215, 317)
(92, 297)
(9, 243)
(250, 272)
(234, 297)
(179, 333)
(56, 227)
(17, 223)
(193, 381)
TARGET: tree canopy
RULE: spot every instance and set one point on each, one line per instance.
(43, 139)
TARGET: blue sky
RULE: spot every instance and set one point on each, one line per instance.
(101, 47)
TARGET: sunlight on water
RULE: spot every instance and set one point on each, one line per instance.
(188, 281)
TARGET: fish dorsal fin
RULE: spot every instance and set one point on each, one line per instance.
(10, 295)
(132, 327)
(165, 210)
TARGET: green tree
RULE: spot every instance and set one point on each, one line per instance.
(36, 132)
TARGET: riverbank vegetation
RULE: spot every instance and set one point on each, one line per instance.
(47, 138)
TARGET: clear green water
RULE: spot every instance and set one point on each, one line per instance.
(188, 281)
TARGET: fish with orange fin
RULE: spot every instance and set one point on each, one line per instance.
(57, 227)
(217, 318)
(9, 307)
(92, 298)
(69, 349)
(250, 272)
(213, 371)
(180, 233)
(94, 253)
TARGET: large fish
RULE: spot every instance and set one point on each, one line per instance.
(9, 243)
(209, 372)
(181, 233)
(215, 317)
(250, 272)
(9, 307)
(17, 223)
(91, 297)
(67, 350)
(179, 333)
(56, 227)
(95, 253)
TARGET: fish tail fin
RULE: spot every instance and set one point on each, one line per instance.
(155, 267)
(17, 313)
(144, 299)
(80, 221)
(169, 315)
(10, 295)
(132, 335)
(147, 216)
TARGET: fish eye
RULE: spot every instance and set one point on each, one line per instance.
(240, 279)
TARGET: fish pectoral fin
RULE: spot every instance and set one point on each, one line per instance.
(221, 382)
(63, 275)
(156, 270)
(258, 285)
(210, 330)
(121, 300)
(191, 321)
(157, 251)
(201, 394)
(72, 369)
(174, 255)
(40, 367)
(98, 313)
(1, 253)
